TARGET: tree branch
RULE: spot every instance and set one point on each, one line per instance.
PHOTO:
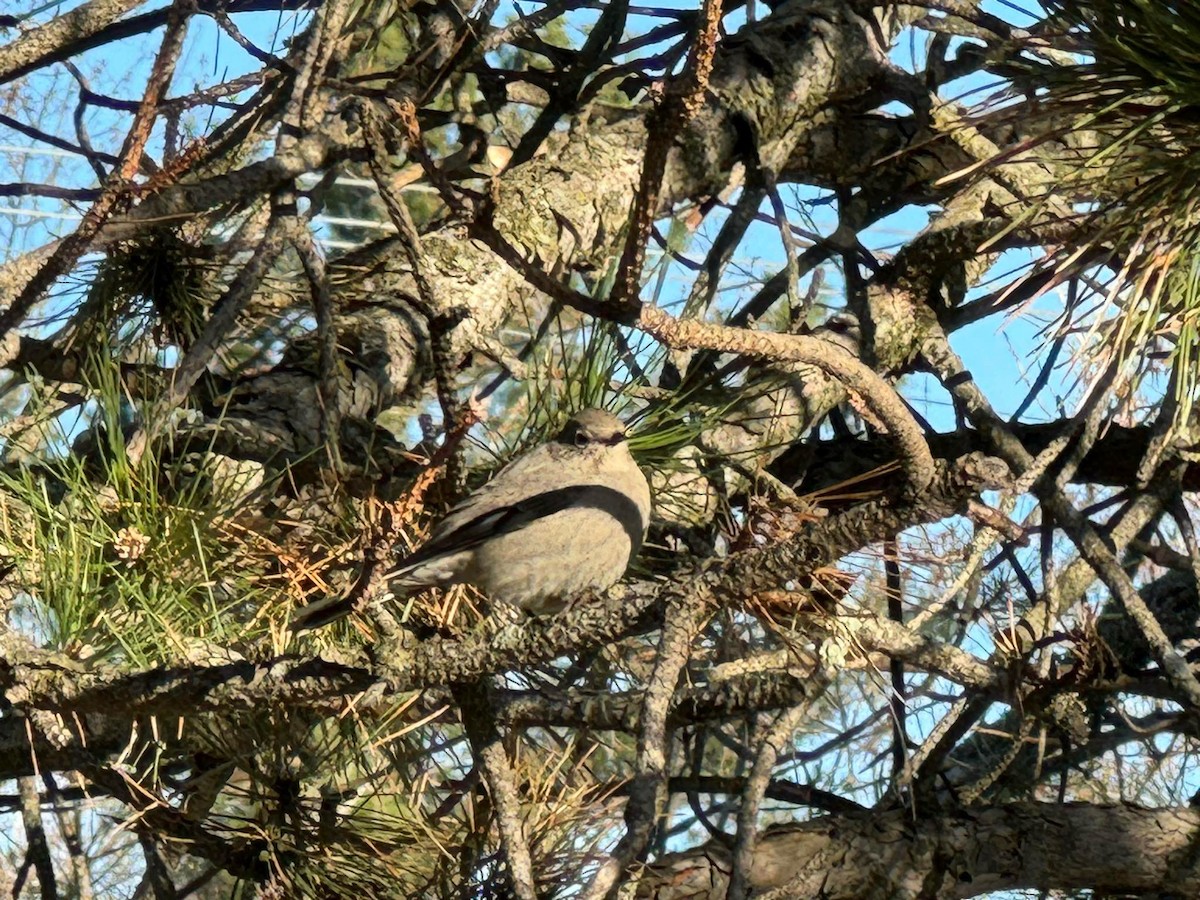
(966, 853)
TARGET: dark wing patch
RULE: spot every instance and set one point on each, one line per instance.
(516, 516)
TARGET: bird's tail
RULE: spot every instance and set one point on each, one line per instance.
(321, 612)
(399, 582)
(330, 609)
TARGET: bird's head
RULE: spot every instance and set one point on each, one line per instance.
(593, 428)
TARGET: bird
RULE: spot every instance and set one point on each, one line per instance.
(564, 518)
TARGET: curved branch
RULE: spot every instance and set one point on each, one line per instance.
(879, 396)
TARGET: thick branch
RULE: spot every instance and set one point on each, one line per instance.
(38, 43)
(1117, 849)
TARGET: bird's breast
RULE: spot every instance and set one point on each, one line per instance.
(556, 558)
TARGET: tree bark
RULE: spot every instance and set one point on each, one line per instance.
(959, 854)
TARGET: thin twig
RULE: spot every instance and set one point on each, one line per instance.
(895, 604)
(117, 193)
(704, 288)
(792, 266)
(685, 614)
(770, 749)
(440, 320)
(68, 816)
(1092, 546)
(281, 231)
(37, 848)
(406, 114)
(487, 748)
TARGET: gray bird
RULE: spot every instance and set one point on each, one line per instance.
(566, 517)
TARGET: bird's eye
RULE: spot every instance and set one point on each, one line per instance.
(581, 439)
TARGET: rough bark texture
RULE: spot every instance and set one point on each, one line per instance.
(968, 853)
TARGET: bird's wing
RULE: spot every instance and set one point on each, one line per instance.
(525, 475)
(532, 487)
(490, 520)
